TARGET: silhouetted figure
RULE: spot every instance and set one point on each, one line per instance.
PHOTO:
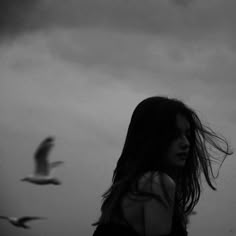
(42, 169)
(156, 183)
(21, 221)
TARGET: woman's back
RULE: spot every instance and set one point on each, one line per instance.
(127, 221)
(130, 219)
(139, 211)
(132, 208)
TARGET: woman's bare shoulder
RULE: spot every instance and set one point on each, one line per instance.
(152, 181)
(155, 176)
(158, 209)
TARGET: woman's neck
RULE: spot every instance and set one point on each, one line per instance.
(174, 173)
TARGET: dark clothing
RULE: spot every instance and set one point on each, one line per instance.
(114, 229)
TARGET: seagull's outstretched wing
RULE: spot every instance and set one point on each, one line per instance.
(25, 219)
(41, 156)
(55, 164)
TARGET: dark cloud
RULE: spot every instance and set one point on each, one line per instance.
(195, 20)
(15, 16)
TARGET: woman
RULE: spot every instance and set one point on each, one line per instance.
(157, 181)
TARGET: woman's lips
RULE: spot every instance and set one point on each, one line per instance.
(182, 155)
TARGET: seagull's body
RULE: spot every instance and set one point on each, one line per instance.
(42, 170)
(21, 221)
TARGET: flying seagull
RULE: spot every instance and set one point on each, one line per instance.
(21, 221)
(42, 169)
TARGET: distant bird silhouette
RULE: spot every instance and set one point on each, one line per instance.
(21, 221)
(42, 169)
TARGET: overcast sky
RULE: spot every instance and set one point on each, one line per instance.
(76, 69)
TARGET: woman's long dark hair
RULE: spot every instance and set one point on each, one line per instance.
(151, 130)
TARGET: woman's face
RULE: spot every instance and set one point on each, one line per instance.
(178, 151)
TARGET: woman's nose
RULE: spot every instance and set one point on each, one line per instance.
(184, 142)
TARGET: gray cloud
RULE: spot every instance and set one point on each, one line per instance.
(15, 16)
(200, 19)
